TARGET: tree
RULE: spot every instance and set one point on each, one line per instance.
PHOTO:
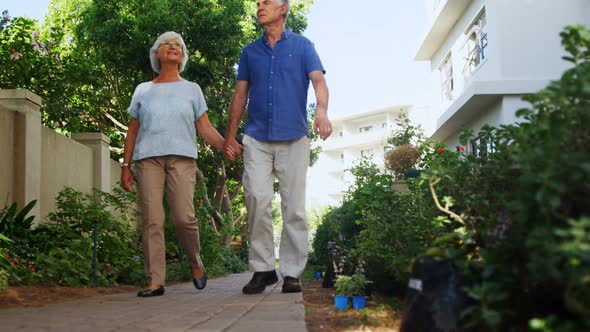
(98, 52)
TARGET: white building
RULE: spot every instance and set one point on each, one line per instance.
(352, 137)
(485, 55)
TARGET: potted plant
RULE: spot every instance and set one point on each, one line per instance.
(405, 152)
(344, 287)
(351, 286)
(359, 297)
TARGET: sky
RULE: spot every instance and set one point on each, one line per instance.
(367, 49)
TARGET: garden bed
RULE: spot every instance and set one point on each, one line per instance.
(320, 314)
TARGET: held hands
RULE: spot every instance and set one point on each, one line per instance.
(127, 179)
(322, 125)
(231, 149)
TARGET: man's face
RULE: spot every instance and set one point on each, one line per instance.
(269, 11)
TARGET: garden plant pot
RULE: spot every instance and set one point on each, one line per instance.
(400, 186)
(412, 173)
(341, 302)
(358, 302)
(318, 275)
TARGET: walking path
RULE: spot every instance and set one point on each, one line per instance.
(221, 306)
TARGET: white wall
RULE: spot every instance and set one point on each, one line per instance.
(523, 45)
(499, 113)
(530, 45)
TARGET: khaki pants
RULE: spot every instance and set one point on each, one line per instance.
(178, 175)
(288, 161)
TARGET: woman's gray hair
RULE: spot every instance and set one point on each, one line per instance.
(282, 2)
(154, 51)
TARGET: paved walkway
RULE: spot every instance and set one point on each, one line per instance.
(221, 306)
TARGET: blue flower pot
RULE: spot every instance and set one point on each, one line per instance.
(358, 302)
(318, 275)
(341, 302)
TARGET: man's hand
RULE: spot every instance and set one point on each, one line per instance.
(127, 179)
(322, 125)
(231, 149)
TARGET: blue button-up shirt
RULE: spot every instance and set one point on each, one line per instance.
(278, 82)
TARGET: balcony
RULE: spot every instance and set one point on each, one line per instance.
(447, 13)
(375, 137)
(476, 98)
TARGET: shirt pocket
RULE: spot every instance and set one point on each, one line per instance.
(291, 63)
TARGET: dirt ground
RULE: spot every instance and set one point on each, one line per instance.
(320, 314)
(39, 295)
(318, 301)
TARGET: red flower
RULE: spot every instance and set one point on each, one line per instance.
(5, 255)
(440, 150)
(15, 261)
(32, 268)
(461, 148)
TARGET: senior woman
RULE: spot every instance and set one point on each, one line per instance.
(161, 140)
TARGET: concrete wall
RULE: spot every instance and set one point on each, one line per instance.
(6, 153)
(65, 162)
(36, 162)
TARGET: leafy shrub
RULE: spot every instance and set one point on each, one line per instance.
(518, 207)
(377, 229)
(407, 133)
(60, 251)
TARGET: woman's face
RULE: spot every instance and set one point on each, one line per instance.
(170, 50)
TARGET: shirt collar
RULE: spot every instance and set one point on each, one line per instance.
(285, 35)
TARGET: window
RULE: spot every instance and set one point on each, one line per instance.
(365, 129)
(384, 125)
(446, 71)
(366, 153)
(475, 44)
(386, 148)
(342, 157)
(341, 133)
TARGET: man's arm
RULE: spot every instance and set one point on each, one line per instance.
(321, 124)
(232, 148)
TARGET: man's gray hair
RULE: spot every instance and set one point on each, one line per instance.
(154, 51)
(282, 2)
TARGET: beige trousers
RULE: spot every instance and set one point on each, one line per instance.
(287, 161)
(177, 175)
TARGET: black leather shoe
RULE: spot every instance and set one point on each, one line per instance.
(291, 285)
(259, 282)
(200, 283)
(151, 292)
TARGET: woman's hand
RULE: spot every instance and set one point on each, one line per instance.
(127, 179)
(231, 149)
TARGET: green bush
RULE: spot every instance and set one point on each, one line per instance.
(377, 229)
(60, 251)
(518, 207)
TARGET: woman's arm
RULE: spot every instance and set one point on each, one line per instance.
(126, 176)
(209, 133)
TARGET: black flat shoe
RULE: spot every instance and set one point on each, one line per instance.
(200, 283)
(151, 292)
(259, 282)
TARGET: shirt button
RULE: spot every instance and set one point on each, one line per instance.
(270, 87)
(272, 72)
